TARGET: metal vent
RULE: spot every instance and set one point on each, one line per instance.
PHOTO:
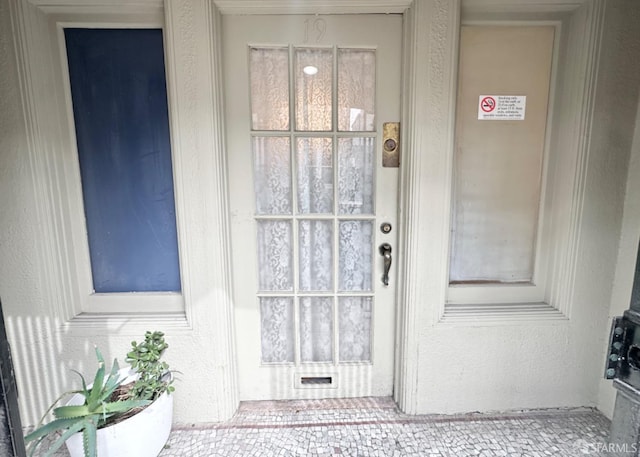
(316, 380)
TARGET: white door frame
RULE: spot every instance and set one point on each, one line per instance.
(430, 57)
(429, 62)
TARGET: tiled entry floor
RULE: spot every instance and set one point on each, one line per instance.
(375, 427)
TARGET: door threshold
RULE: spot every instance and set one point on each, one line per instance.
(376, 403)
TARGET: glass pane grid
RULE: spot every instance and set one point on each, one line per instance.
(315, 218)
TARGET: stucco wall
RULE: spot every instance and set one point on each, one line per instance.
(616, 156)
(37, 263)
(624, 42)
(537, 364)
(20, 287)
(525, 365)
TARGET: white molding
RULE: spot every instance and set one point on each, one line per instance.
(98, 7)
(520, 6)
(535, 291)
(44, 128)
(573, 136)
(129, 324)
(431, 46)
(311, 6)
(52, 147)
(91, 302)
(572, 111)
(197, 113)
(501, 314)
(225, 322)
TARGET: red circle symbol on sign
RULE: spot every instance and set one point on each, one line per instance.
(488, 104)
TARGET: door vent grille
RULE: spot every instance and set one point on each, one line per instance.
(316, 380)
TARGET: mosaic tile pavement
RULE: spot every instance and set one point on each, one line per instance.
(375, 427)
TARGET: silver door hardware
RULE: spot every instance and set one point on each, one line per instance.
(385, 252)
(623, 356)
(385, 227)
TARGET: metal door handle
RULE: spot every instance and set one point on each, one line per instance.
(385, 252)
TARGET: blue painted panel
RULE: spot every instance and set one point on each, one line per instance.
(119, 97)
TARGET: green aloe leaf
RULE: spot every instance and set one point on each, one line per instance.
(113, 380)
(85, 391)
(98, 382)
(71, 411)
(50, 427)
(75, 426)
(90, 438)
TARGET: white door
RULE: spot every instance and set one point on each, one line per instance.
(306, 98)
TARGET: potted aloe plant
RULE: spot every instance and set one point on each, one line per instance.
(123, 412)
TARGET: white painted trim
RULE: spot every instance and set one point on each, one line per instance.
(533, 292)
(129, 324)
(572, 108)
(501, 314)
(311, 6)
(227, 388)
(97, 7)
(54, 157)
(429, 82)
(109, 304)
(56, 265)
(524, 6)
(573, 137)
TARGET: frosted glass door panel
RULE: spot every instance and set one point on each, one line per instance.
(314, 81)
(356, 90)
(316, 255)
(272, 174)
(316, 329)
(275, 256)
(354, 329)
(356, 165)
(315, 175)
(269, 72)
(356, 238)
(277, 332)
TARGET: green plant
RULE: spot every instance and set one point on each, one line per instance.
(97, 409)
(154, 377)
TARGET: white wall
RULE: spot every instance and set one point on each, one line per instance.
(624, 42)
(525, 362)
(459, 368)
(20, 286)
(37, 263)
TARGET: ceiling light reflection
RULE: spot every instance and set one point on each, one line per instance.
(310, 70)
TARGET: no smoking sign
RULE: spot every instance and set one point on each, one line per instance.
(501, 107)
(488, 104)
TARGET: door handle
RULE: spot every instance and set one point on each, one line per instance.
(385, 252)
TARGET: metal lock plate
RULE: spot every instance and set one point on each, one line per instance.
(391, 144)
(623, 356)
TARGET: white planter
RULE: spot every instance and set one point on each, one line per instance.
(142, 435)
